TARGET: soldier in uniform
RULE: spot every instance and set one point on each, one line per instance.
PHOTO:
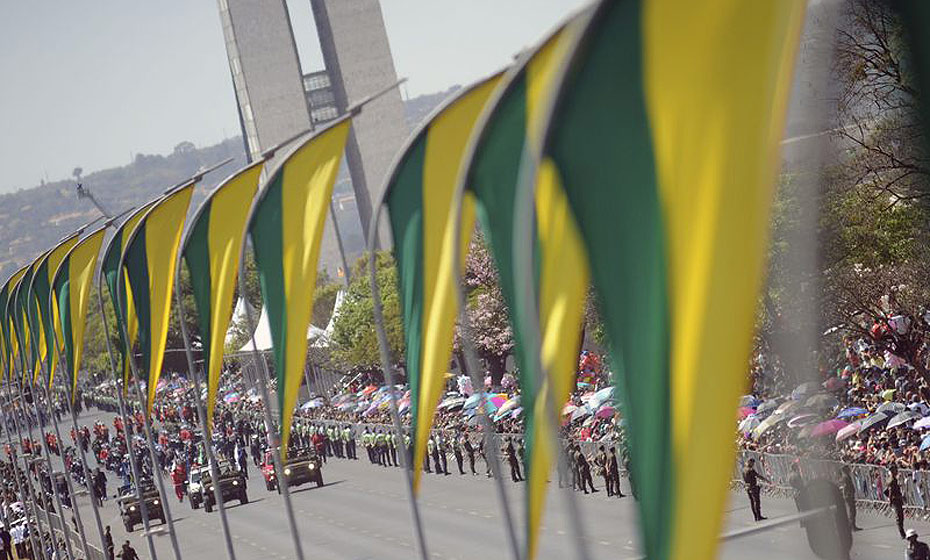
(613, 471)
(584, 470)
(751, 478)
(441, 448)
(511, 454)
(393, 449)
(849, 496)
(470, 451)
(433, 446)
(457, 452)
(601, 461)
(896, 498)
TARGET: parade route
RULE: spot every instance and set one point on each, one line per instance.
(362, 513)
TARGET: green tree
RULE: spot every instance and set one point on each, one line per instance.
(355, 342)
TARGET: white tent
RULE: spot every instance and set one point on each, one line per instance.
(319, 337)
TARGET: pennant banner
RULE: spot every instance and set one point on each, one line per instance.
(40, 311)
(150, 262)
(509, 127)
(665, 137)
(419, 197)
(71, 286)
(10, 348)
(286, 227)
(122, 300)
(211, 251)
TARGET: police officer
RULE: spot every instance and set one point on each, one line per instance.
(434, 451)
(896, 498)
(751, 478)
(441, 448)
(393, 449)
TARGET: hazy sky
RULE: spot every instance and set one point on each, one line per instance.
(92, 83)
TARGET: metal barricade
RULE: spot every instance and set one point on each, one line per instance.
(868, 480)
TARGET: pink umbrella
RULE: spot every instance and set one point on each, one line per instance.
(827, 428)
(605, 412)
(498, 400)
(745, 411)
(848, 431)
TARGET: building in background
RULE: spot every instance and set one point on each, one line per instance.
(358, 61)
(277, 101)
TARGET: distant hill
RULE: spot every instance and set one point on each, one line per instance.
(32, 220)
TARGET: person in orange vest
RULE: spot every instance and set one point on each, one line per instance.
(179, 477)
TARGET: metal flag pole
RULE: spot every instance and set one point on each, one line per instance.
(406, 461)
(201, 412)
(45, 503)
(127, 421)
(77, 514)
(28, 491)
(88, 480)
(272, 436)
(150, 443)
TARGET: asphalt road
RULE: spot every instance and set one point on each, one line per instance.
(362, 513)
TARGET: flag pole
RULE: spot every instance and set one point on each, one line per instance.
(35, 457)
(28, 491)
(406, 461)
(201, 412)
(77, 514)
(88, 480)
(146, 422)
(272, 436)
(127, 420)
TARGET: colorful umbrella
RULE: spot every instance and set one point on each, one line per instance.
(849, 431)
(852, 412)
(749, 424)
(873, 421)
(605, 412)
(231, 398)
(828, 428)
(891, 408)
(745, 411)
(925, 443)
(802, 420)
(903, 418)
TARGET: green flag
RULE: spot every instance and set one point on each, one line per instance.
(664, 137)
(211, 251)
(286, 227)
(150, 262)
(71, 285)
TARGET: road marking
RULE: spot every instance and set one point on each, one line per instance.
(605, 543)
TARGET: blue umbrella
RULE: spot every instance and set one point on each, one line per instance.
(852, 412)
(925, 443)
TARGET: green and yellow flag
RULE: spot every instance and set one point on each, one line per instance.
(120, 292)
(10, 348)
(211, 251)
(40, 311)
(29, 354)
(419, 197)
(665, 138)
(510, 125)
(286, 227)
(150, 261)
(71, 286)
